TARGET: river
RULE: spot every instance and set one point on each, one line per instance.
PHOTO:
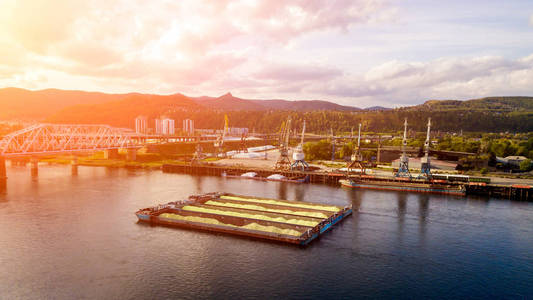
(76, 237)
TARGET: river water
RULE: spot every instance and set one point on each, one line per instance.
(76, 237)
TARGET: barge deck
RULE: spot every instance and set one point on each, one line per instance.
(295, 222)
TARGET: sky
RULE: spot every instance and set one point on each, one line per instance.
(352, 52)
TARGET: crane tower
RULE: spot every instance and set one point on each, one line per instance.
(357, 163)
(284, 162)
(425, 169)
(403, 170)
(298, 156)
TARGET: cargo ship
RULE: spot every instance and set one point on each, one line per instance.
(404, 185)
(294, 222)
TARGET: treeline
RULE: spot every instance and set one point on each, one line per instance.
(321, 122)
(486, 115)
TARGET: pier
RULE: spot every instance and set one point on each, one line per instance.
(511, 191)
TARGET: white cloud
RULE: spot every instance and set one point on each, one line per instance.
(255, 48)
(400, 83)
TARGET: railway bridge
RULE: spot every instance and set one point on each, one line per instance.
(46, 139)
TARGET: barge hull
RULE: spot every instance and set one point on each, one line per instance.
(280, 226)
(221, 229)
(404, 188)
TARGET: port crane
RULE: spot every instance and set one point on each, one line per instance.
(284, 162)
(219, 143)
(299, 156)
(403, 169)
(425, 166)
(242, 145)
(198, 155)
(357, 163)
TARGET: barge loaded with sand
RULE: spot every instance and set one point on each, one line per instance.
(295, 222)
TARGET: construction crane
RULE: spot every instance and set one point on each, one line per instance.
(219, 143)
(356, 164)
(425, 166)
(284, 162)
(403, 169)
(299, 156)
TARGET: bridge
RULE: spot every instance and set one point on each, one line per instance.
(44, 139)
(47, 139)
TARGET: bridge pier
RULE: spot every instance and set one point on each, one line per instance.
(3, 173)
(74, 164)
(131, 154)
(34, 166)
(111, 154)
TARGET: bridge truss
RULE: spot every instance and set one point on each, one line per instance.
(59, 138)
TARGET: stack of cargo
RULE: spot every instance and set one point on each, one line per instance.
(288, 221)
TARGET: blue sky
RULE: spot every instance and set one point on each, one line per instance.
(360, 53)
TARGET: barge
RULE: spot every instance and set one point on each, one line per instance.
(431, 187)
(294, 222)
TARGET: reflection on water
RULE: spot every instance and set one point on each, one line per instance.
(198, 184)
(3, 187)
(282, 190)
(299, 192)
(61, 236)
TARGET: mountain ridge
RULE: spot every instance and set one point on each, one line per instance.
(57, 105)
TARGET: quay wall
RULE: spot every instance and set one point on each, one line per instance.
(513, 192)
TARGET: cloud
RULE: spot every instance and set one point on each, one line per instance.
(531, 20)
(255, 48)
(178, 42)
(401, 83)
(294, 72)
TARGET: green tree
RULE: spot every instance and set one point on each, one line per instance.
(525, 165)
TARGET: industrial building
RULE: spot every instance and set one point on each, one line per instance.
(238, 130)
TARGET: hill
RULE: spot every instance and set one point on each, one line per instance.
(491, 114)
(24, 104)
(495, 104)
(123, 112)
(228, 102)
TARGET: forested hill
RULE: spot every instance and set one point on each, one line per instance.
(492, 114)
(496, 104)
(123, 112)
(179, 107)
(229, 102)
(24, 104)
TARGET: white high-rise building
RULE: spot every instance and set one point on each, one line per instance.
(158, 126)
(140, 124)
(167, 126)
(188, 126)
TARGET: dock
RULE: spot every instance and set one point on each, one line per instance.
(294, 222)
(520, 192)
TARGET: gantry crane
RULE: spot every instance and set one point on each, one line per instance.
(219, 143)
(403, 169)
(425, 165)
(284, 162)
(299, 156)
(357, 159)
